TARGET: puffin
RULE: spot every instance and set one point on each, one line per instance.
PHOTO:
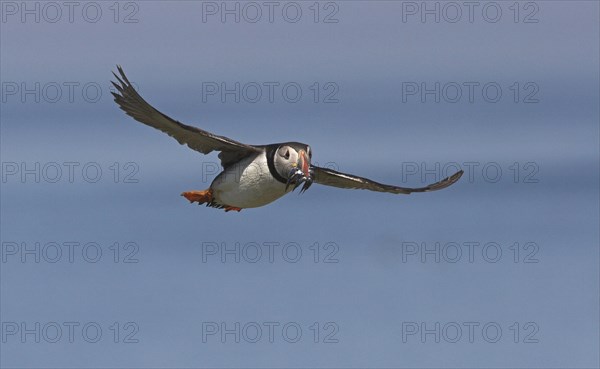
(252, 175)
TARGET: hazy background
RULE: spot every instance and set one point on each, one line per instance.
(551, 209)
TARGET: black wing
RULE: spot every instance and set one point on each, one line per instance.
(195, 138)
(329, 177)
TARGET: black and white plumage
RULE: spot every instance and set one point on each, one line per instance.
(253, 175)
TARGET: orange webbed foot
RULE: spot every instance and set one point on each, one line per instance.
(232, 208)
(201, 197)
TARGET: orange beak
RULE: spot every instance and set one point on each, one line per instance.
(304, 164)
(300, 173)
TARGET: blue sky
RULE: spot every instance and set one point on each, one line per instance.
(77, 171)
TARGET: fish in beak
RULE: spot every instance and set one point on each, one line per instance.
(301, 173)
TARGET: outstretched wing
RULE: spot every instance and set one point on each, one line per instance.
(329, 177)
(195, 138)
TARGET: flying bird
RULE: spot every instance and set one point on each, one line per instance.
(253, 175)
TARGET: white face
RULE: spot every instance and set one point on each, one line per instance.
(285, 160)
(292, 164)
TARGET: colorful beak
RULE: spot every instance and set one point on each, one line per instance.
(301, 173)
(304, 164)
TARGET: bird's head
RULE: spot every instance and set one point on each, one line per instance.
(292, 162)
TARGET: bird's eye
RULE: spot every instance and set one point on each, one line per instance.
(287, 154)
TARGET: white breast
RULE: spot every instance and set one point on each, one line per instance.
(248, 184)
